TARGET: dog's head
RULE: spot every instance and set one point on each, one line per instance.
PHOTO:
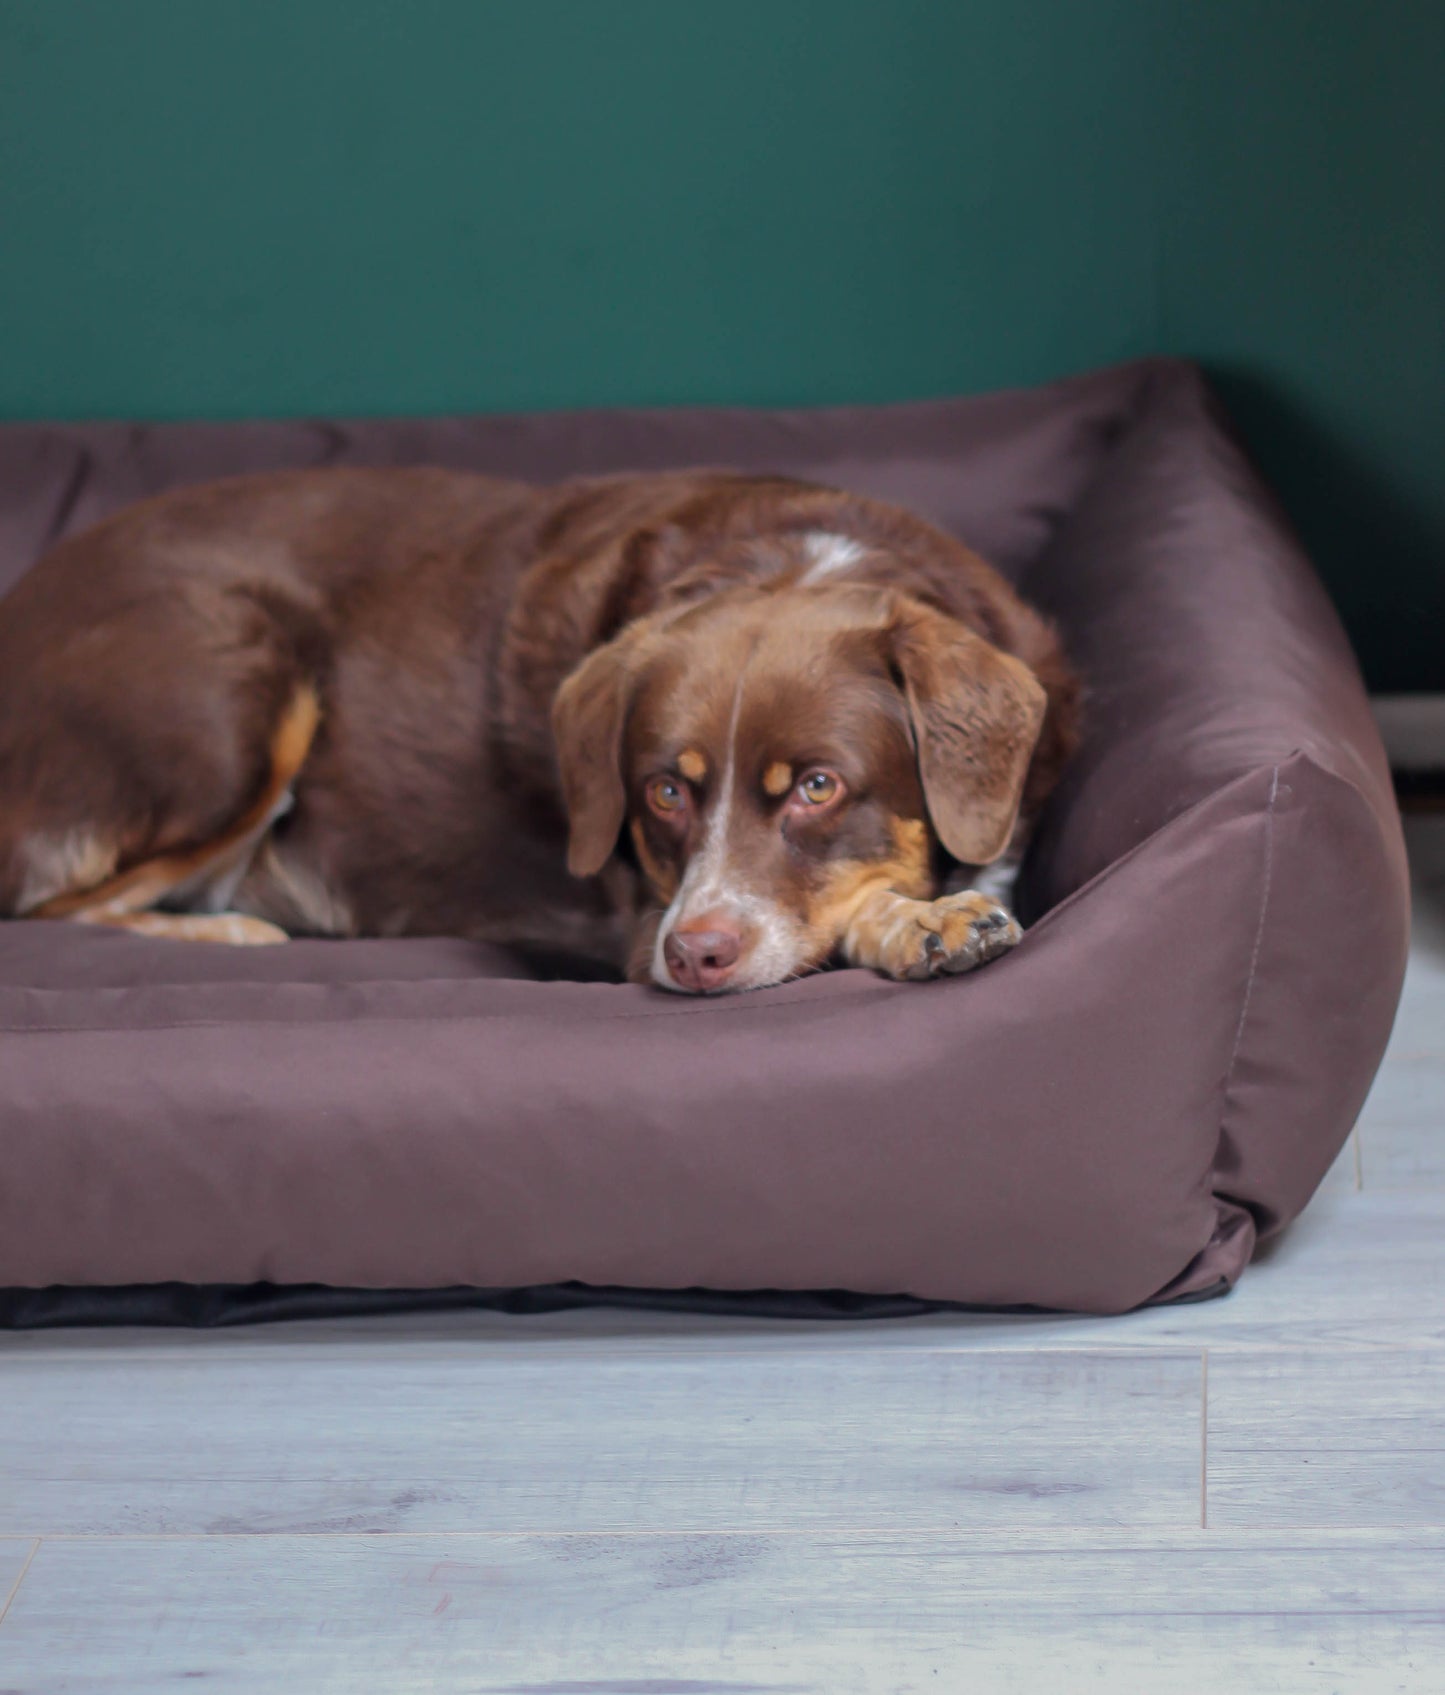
(777, 753)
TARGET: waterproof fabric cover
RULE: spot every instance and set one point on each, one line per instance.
(1162, 1071)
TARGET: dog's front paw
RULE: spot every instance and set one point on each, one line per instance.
(960, 932)
(935, 938)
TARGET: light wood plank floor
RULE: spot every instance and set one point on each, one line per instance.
(1245, 1496)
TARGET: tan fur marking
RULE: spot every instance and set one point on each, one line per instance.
(854, 883)
(911, 834)
(778, 778)
(692, 765)
(143, 885)
(919, 939)
(230, 929)
(660, 874)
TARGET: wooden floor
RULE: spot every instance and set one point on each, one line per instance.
(1245, 1496)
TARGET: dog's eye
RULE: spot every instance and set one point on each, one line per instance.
(666, 795)
(819, 787)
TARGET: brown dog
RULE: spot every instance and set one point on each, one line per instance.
(347, 703)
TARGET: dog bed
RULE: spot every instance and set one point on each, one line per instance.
(1159, 1074)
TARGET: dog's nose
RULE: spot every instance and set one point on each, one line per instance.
(702, 959)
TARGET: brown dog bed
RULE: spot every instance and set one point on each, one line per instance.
(1163, 1070)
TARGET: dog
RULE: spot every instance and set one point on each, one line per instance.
(715, 730)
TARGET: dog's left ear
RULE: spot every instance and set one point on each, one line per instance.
(976, 714)
(588, 718)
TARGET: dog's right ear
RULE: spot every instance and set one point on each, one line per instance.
(588, 718)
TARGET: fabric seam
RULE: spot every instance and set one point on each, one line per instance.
(351, 1019)
(1266, 881)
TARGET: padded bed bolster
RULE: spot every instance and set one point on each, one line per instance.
(1211, 650)
(841, 1132)
(1108, 1115)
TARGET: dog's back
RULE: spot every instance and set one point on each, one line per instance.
(147, 665)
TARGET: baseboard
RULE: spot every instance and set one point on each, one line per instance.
(1413, 729)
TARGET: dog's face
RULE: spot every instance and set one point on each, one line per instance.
(777, 754)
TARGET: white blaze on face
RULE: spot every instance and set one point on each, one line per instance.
(715, 882)
(829, 555)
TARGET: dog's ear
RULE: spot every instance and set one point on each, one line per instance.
(588, 718)
(976, 714)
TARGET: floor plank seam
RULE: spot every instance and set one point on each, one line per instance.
(1179, 1347)
(989, 1538)
(20, 1578)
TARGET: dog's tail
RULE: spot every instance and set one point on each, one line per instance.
(151, 881)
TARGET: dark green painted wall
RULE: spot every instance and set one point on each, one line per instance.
(231, 207)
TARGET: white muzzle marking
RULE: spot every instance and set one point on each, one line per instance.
(711, 884)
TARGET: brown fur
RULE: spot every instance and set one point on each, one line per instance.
(151, 670)
(151, 880)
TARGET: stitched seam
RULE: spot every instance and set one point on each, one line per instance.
(710, 1006)
(1258, 934)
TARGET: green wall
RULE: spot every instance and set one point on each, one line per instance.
(237, 207)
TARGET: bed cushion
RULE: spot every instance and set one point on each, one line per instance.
(1113, 1113)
